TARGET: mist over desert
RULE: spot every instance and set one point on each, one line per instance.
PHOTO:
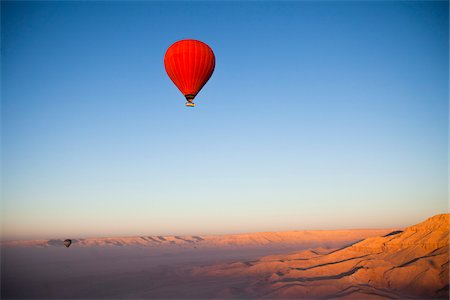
(379, 263)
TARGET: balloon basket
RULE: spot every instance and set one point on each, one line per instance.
(190, 104)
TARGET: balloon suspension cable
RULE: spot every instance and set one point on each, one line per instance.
(190, 100)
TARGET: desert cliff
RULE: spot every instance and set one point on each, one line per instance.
(413, 263)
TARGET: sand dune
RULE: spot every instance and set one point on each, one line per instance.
(405, 264)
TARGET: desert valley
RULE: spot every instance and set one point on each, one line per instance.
(385, 263)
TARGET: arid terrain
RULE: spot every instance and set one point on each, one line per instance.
(380, 263)
(403, 264)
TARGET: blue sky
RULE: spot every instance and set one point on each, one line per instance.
(318, 115)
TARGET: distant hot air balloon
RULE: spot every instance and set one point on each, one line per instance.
(189, 64)
(67, 243)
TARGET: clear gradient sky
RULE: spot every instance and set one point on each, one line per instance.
(320, 115)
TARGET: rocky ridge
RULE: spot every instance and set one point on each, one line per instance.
(413, 263)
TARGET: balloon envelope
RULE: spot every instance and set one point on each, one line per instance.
(189, 64)
(67, 243)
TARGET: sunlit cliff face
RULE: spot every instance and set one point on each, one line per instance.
(409, 263)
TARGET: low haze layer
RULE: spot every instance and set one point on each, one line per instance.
(147, 266)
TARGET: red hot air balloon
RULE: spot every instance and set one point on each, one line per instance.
(189, 64)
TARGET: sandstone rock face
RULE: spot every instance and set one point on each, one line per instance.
(413, 263)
